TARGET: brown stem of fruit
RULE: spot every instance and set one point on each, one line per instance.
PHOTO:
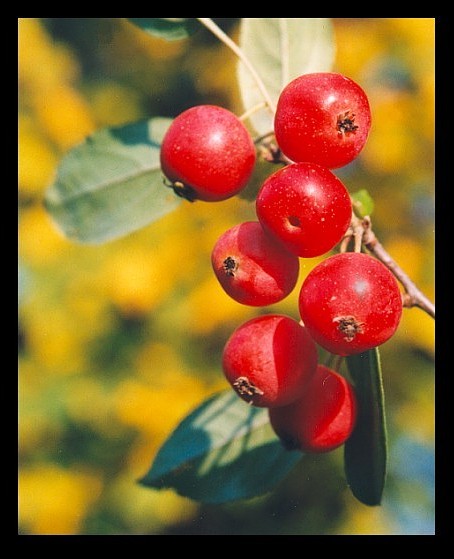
(270, 151)
(334, 362)
(361, 231)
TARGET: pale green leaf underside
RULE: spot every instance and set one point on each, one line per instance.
(281, 49)
(111, 184)
(224, 450)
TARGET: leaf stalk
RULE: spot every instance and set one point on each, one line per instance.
(224, 38)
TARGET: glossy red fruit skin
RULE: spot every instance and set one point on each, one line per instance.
(306, 207)
(322, 419)
(252, 267)
(207, 153)
(269, 359)
(350, 303)
(324, 118)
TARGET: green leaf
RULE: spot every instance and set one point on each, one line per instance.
(169, 28)
(111, 184)
(223, 451)
(365, 452)
(281, 49)
(363, 204)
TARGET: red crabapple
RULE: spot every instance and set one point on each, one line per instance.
(322, 419)
(252, 267)
(269, 359)
(306, 207)
(350, 303)
(323, 118)
(207, 153)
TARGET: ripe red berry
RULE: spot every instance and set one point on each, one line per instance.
(322, 419)
(269, 359)
(350, 303)
(323, 118)
(207, 154)
(306, 207)
(252, 267)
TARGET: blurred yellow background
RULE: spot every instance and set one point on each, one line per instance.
(118, 342)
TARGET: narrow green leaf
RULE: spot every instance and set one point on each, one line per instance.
(280, 50)
(169, 28)
(362, 202)
(224, 450)
(365, 452)
(111, 184)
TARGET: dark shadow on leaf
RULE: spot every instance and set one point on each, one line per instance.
(211, 463)
(165, 29)
(136, 133)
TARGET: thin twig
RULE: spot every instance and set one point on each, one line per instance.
(217, 31)
(346, 240)
(334, 362)
(252, 110)
(271, 152)
(358, 234)
(259, 139)
(413, 296)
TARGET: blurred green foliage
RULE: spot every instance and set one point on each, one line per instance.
(118, 342)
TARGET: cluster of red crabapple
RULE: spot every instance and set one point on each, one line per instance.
(348, 303)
